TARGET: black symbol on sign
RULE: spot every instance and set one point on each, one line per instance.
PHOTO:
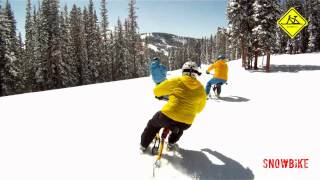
(292, 20)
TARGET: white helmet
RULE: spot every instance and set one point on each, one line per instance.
(191, 69)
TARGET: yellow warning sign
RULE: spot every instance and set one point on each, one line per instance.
(292, 22)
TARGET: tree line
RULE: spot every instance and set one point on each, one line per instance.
(66, 48)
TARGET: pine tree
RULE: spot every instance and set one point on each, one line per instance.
(197, 51)
(37, 64)
(99, 63)
(29, 47)
(106, 64)
(211, 48)
(119, 53)
(229, 46)
(240, 13)
(69, 76)
(203, 51)
(304, 35)
(104, 21)
(20, 65)
(90, 26)
(50, 48)
(214, 48)
(78, 51)
(9, 71)
(142, 64)
(266, 12)
(133, 39)
(111, 57)
(281, 37)
(2, 51)
(128, 65)
(221, 41)
(314, 25)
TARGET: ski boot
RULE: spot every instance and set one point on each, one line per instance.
(156, 144)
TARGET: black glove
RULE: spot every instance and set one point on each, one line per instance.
(207, 72)
(159, 97)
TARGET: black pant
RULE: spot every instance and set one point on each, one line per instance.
(158, 121)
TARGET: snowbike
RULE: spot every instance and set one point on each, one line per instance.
(158, 146)
(217, 88)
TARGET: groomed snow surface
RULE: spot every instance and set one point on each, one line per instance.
(93, 132)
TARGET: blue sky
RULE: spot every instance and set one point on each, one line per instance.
(193, 18)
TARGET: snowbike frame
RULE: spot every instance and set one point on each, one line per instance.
(158, 147)
(217, 88)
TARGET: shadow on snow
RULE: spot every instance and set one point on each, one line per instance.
(197, 165)
(289, 68)
(234, 99)
(293, 68)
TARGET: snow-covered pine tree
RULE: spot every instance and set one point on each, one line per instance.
(239, 14)
(203, 51)
(2, 51)
(232, 46)
(90, 26)
(281, 37)
(104, 21)
(9, 70)
(197, 51)
(119, 53)
(175, 58)
(304, 35)
(207, 46)
(142, 63)
(133, 40)
(105, 67)
(37, 76)
(170, 59)
(211, 48)
(64, 42)
(111, 57)
(38, 59)
(266, 12)
(30, 30)
(314, 25)
(128, 65)
(50, 47)
(20, 66)
(78, 50)
(12, 28)
(147, 51)
(221, 41)
(99, 63)
(229, 47)
(214, 49)
(68, 69)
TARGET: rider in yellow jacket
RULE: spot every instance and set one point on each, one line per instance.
(186, 99)
(220, 75)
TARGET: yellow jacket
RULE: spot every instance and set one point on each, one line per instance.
(220, 69)
(186, 98)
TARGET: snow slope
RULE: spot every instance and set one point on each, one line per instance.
(93, 132)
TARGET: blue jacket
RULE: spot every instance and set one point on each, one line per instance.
(158, 72)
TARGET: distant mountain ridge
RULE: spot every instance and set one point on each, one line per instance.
(163, 42)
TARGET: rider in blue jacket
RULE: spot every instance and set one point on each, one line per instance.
(158, 71)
